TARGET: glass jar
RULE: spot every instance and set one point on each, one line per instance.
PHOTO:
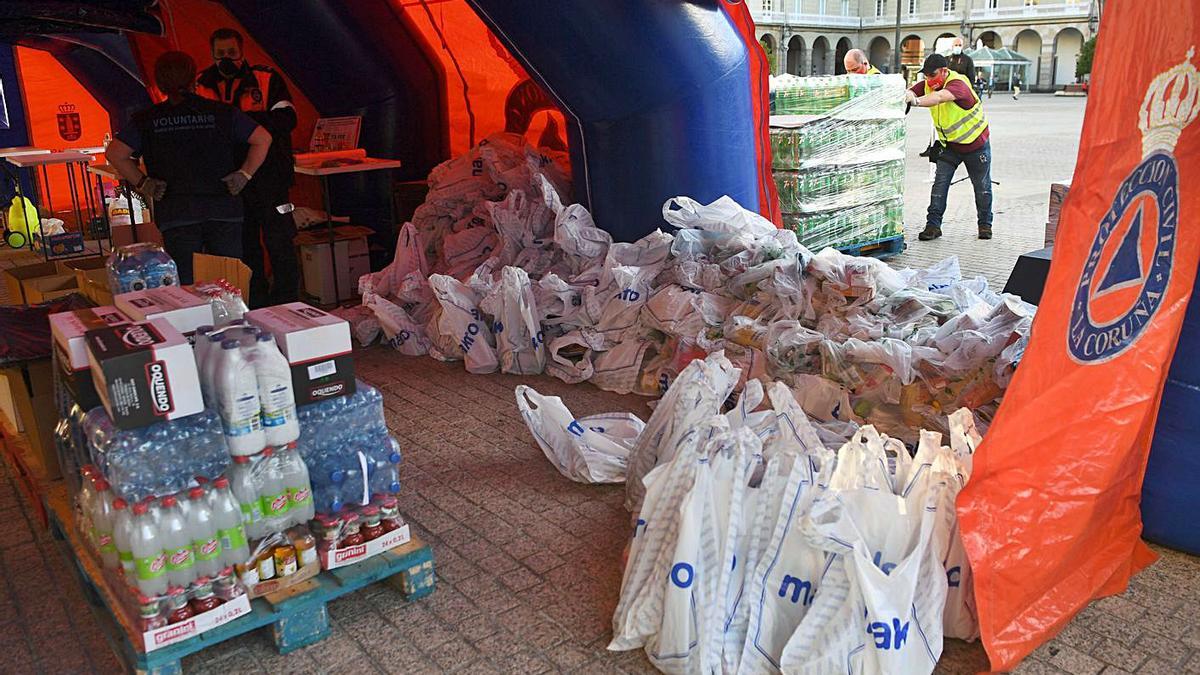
(350, 531)
(203, 598)
(389, 511)
(150, 613)
(266, 566)
(285, 560)
(177, 605)
(371, 528)
(226, 586)
(306, 549)
(330, 531)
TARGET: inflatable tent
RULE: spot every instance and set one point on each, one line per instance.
(657, 99)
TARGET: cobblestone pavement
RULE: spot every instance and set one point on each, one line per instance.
(528, 563)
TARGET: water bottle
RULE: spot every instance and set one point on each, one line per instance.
(246, 491)
(176, 544)
(387, 472)
(210, 367)
(85, 499)
(236, 388)
(274, 374)
(227, 516)
(206, 546)
(123, 535)
(149, 559)
(274, 491)
(102, 526)
(299, 489)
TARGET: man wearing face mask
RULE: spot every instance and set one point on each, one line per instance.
(960, 62)
(962, 138)
(262, 94)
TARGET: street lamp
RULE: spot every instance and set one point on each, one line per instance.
(896, 44)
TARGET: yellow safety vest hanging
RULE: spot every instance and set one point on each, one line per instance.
(873, 71)
(953, 124)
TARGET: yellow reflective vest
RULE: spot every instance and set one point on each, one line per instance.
(953, 124)
(873, 71)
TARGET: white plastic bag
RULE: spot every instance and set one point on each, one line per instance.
(459, 330)
(403, 333)
(722, 215)
(514, 314)
(570, 358)
(592, 449)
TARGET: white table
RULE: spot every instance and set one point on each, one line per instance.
(83, 197)
(322, 173)
(22, 150)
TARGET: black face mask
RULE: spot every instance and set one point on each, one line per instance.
(228, 67)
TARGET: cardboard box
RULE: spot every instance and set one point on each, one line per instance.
(198, 624)
(144, 372)
(14, 276)
(213, 267)
(68, 330)
(93, 284)
(316, 344)
(316, 263)
(340, 557)
(45, 289)
(75, 264)
(185, 310)
(31, 387)
(280, 583)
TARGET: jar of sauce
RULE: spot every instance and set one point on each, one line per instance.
(350, 530)
(306, 549)
(177, 605)
(203, 598)
(150, 613)
(371, 528)
(389, 511)
(226, 586)
(285, 560)
(330, 530)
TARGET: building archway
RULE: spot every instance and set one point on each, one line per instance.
(1029, 44)
(1067, 44)
(880, 53)
(912, 52)
(943, 42)
(768, 44)
(990, 39)
(820, 56)
(795, 55)
(839, 59)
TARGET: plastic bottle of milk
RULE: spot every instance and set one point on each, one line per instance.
(206, 546)
(123, 534)
(227, 516)
(275, 392)
(176, 544)
(236, 388)
(210, 367)
(149, 560)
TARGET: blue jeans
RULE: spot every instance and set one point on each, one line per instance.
(979, 168)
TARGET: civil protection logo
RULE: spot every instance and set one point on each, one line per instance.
(1129, 264)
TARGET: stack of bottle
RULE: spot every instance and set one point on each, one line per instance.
(226, 299)
(163, 458)
(176, 553)
(349, 453)
(273, 489)
(840, 176)
(136, 267)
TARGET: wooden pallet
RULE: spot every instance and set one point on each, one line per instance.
(298, 615)
(880, 248)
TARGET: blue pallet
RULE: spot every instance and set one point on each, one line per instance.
(297, 620)
(879, 248)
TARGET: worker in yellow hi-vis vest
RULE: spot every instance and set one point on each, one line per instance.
(962, 138)
(857, 64)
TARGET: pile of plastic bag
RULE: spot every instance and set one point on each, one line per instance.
(760, 548)
(496, 271)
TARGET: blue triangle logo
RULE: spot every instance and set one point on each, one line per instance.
(1126, 265)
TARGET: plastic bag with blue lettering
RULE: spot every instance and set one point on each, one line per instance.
(570, 358)
(458, 329)
(882, 597)
(593, 449)
(961, 620)
(514, 314)
(402, 333)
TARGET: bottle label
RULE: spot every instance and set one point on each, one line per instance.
(125, 556)
(251, 512)
(279, 406)
(298, 497)
(105, 543)
(233, 537)
(181, 559)
(275, 505)
(244, 417)
(207, 550)
(150, 567)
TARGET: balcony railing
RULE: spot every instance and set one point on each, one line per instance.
(782, 18)
(1067, 9)
(907, 19)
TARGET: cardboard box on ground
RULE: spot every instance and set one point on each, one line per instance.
(30, 389)
(349, 245)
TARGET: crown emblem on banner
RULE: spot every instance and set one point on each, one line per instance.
(1172, 102)
(66, 108)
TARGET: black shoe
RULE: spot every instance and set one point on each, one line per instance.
(985, 231)
(930, 232)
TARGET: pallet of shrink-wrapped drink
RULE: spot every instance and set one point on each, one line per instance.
(837, 148)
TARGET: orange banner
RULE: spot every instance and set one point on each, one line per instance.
(1051, 519)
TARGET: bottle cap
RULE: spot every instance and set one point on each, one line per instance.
(350, 517)
(226, 572)
(237, 322)
(230, 344)
(168, 501)
(202, 580)
(119, 503)
(267, 452)
(196, 493)
(140, 508)
(175, 590)
(221, 483)
(204, 330)
(217, 336)
(369, 510)
(337, 476)
(264, 337)
(240, 459)
(88, 470)
(201, 480)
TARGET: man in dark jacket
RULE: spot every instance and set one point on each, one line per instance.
(959, 61)
(261, 93)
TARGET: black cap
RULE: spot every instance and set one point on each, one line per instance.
(933, 63)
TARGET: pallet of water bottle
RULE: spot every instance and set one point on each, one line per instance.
(880, 248)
